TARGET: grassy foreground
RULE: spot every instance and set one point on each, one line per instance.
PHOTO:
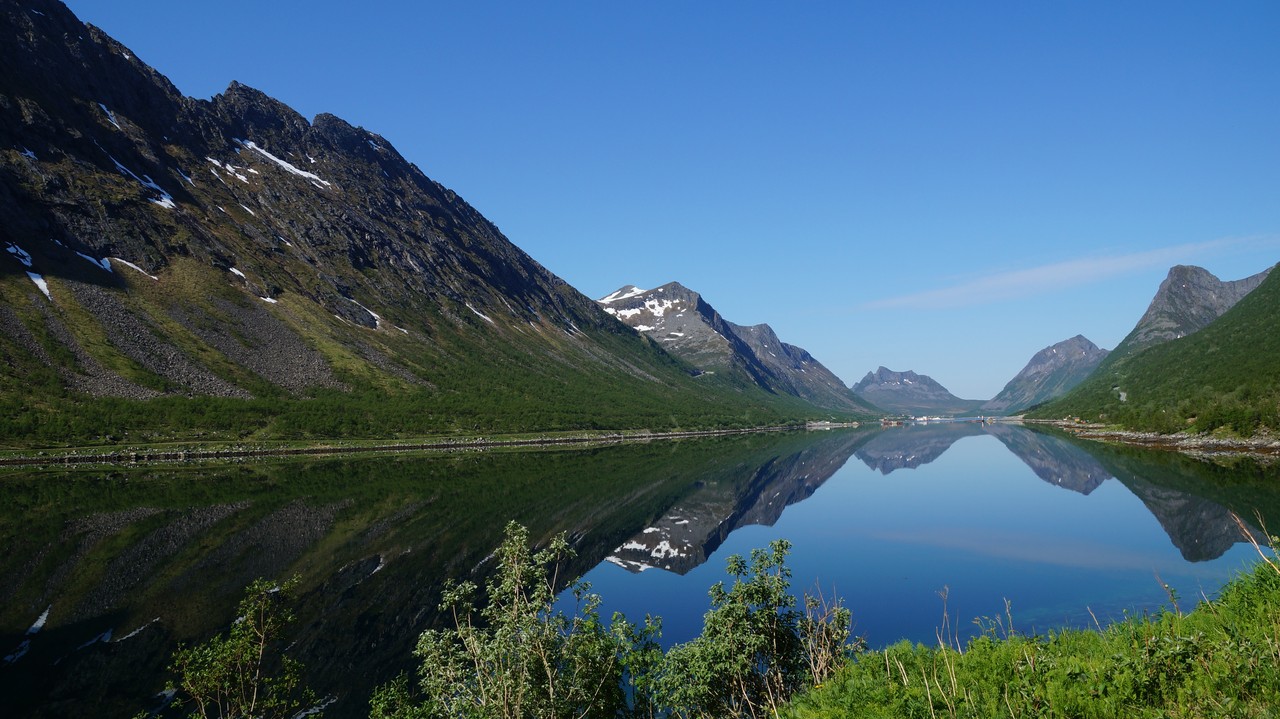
(1220, 660)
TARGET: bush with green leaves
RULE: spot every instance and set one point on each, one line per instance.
(245, 673)
(757, 648)
(516, 656)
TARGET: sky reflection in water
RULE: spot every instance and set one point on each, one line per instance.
(975, 522)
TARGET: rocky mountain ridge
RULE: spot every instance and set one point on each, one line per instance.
(1052, 372)
(160, 246)
(911, 394)
(1170, 376)
(685, 324)
(1187, 300)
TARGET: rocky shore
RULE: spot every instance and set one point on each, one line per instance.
(1264, 445)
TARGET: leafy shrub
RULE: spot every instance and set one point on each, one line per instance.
(757, 648)
(516, 656)
(243, 674)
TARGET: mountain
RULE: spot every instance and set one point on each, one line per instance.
(228, 269)
(684, 324)
(1224, 376)
(1188, 299)
(911, 393)
(1051, 373)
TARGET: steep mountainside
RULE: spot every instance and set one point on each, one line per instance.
(683, 323)
(1227, 375)
(1187, 301)
(300, 277)
(1051, 373)
(911, 393)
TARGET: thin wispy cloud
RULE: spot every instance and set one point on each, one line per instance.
(1014, 284)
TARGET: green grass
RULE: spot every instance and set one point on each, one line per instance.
(1220, 660)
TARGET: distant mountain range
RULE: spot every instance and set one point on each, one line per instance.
(684, 324)
(910, 393)
(679, 319)
(1189, 300)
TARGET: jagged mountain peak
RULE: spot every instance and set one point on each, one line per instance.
(252, 111)
(910, 393)
(1187, 300)
(622, 293)
(887, 377)
(261, 231)
(1075, 346)
(1051, 373)
(685, 324)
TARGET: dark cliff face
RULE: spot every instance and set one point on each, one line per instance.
(683, 323)
(910, 393)
(1187, 301)
(296, 206)
(1052, 372)
(161, 245)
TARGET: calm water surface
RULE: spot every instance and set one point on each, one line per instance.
(924, 511)
(106, 571)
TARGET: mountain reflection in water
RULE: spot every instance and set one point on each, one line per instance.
(890, 537)
(108, 570)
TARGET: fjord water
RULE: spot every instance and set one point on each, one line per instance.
(107, 570)
(978, 522)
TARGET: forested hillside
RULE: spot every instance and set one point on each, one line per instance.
(1225, 377)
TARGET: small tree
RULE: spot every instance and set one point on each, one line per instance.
(756, 648)
(241, 675)
(517, 657)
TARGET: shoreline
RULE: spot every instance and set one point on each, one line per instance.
(1266, 447)
(136, 456)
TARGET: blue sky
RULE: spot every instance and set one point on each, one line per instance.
(943, 187)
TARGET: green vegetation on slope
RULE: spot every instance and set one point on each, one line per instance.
(1226, 377)
(444, 379)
